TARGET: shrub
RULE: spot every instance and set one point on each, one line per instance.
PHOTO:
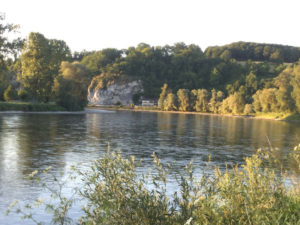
(252, 193)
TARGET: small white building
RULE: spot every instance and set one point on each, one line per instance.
(148, 103)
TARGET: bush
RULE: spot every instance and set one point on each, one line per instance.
(252, 193)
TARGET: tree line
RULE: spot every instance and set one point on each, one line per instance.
(255, 51)
(44, 70)
(283, 95)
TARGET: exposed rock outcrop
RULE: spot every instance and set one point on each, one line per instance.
(113, 90)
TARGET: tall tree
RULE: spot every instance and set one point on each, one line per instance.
(162, 96)
(170, 103)
(183, 99)
(70, 87)
(202, 100)
(284, 94)
(215, 100)
(296, 86)
(40, 60)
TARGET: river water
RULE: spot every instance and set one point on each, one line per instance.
(35, 141)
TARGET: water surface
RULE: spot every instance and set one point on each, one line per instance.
(35, 141)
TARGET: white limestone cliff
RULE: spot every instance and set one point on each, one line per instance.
(114, 93)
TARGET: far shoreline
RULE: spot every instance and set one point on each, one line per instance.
(120, 108)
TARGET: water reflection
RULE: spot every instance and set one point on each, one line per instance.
(35, 141)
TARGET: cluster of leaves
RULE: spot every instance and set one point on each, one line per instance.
(255, 192)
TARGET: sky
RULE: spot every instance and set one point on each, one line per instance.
(98, 24)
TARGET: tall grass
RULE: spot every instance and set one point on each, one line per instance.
(256, 192)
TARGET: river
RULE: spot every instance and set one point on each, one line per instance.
(34, 141)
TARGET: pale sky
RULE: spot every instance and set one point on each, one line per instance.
(98, 24)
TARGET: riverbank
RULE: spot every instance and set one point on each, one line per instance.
(270, 116)
(30, 107)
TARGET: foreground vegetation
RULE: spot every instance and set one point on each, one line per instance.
(260, 191)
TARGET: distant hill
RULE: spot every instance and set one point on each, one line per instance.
(243, 51)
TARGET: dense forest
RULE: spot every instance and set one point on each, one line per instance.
(238, 78)
(256, 52)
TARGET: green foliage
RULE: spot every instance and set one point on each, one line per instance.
(10, 94)
(100, 61)
(170, 103)
(117, 195)
(183, 99)
(265, 100)
(295, 82)
(236, 71)
(202, 100)
(255, 192)
(244, 51)
(41, 60)
(215, 101)
(70, 87)
(233, 104)
(162, 96)
(248, 110)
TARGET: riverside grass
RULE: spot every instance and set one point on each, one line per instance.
(29, 107)
(259, 191)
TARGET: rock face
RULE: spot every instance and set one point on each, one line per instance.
(115, 93)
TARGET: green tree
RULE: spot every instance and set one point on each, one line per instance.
(183, 99)
(70, 87)
(215, 101)
(59, 51)
(40, 65)
(162, 96)
(170, 103)
(265, 100)
(284, 94)
(233, 104)
(202, 101)
(215, 77)
(248, 109)
(193, 99)
(296, 86)
(251, 85)
(100, 61)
